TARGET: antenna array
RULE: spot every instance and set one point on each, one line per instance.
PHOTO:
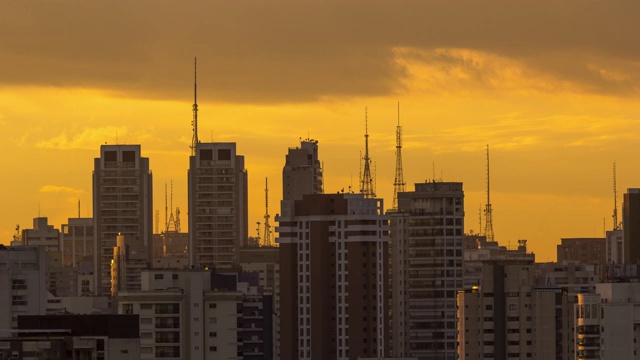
(267, 227)
(488, 226)
(398, 183)
(194, 121)
(366, 181)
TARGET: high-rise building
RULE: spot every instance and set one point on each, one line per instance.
(129, 259)
(122, 204)
(426, 246)
(302, 173)
(76, 241)
(218, 207)
(334, 291)
(631, 225)
(506, 318)
(42, 234)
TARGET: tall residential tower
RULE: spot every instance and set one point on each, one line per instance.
(302, 173)
(122, 205)
(426, 256)
(218, 207)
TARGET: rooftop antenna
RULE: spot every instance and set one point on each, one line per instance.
(366, 186)
(398, 183)
(616, 224)
(488, 226)
(78, 208)
(267, 227)
(166, 210)
(258, 232)
(172, 220)
(157, 222)
(194, 122)
(479, 219)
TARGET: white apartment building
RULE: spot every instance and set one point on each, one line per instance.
(608, 322)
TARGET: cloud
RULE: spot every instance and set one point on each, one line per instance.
(88, 139)
(285, 52)
(55, 189)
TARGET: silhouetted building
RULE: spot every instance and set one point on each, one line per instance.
(426, 247)
(76, 241)
(218, 207)
(122, 204)
(22, 283)
(615, 246)
(584, 250)
(129, 259)
(65, 337)
(334, 293)
(631, 225)
(42, 234)
(302, 173)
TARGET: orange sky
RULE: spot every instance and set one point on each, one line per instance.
(551, 86)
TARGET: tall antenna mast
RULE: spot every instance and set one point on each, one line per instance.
(267, 227)
(171, 220)
(366, 186)
(488, 226)
(616, 224)
(194, 122)
(398, 184)
(166, 210)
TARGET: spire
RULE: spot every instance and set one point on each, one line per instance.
(398, 183)
(616, 224)
(488, 226)
(194, 122)
(366, 182)
(267, 227)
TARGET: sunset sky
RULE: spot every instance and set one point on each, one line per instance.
(551, 86)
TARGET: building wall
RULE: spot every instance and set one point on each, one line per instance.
(631, 225)
(583, 250)
(76, 239)
(23, 283)
(42, 234)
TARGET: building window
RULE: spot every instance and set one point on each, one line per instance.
(158, 276)
(213, 348)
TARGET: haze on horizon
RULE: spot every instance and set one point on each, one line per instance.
(551, 86)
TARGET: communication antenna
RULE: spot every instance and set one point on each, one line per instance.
(616, 224)
(172, 220)
(366, 186)
(258, 232)
(488, 226)
(267, 227)
(157, 222)
(194, 121)
(166, 210)
(177, 219)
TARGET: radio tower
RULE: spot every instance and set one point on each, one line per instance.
(194, 122)
(398, 184)
(172, 220)
(267, 227)
(366, 182)
(488, 226)
(616, 224)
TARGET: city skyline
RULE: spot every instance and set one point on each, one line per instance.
(557, 104)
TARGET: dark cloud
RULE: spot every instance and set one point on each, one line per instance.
(282, 51)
